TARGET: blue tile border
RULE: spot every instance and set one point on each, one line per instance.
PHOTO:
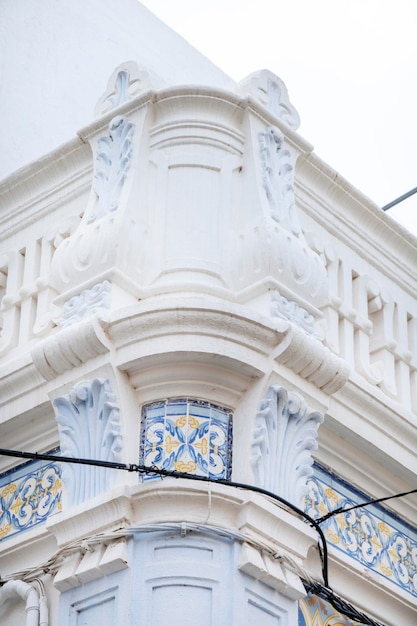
(29, 494)
(373, 536)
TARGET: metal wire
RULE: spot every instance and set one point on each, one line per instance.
(400, 199)
(131, 467)
(363, 505)
(343, 607)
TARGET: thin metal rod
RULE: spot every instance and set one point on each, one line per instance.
(400, 199)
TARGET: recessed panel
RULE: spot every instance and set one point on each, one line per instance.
(181, 605)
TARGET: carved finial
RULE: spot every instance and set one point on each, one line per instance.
(285, 435)
(272, 94)
(126, 82)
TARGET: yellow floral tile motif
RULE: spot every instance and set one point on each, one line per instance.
(29, 494)
(314, 611)
(189, 436)
(371, 535)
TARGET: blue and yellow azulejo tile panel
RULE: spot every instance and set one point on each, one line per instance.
(190, 436)
(29, 494)
(372, 535)
(314, 611)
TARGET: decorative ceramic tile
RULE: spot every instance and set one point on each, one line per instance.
(190, 436)
(372, 535)
(29, 494)
(313, 611)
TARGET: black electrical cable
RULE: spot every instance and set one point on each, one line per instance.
(323, 591)
(363, 505)
(343, 607)
(166, 473)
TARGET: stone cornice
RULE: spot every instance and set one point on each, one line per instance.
(369, 592)
(260, 521)
(31, 191)
(196, 91)
(34, 191)
(257, 519)
(367, 442)
(17, 378)
(323, 193)
(226, 330)
(145, 503)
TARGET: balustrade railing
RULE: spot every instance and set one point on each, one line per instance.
(374, 328)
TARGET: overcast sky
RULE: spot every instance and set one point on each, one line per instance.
(350, 67)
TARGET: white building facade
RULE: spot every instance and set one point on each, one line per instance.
(187, 288)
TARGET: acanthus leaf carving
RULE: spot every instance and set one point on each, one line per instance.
(89, 427)
(285, 436)
(114, 153)
(278, 179)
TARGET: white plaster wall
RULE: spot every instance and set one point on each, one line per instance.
(55, 60)
(177, 581)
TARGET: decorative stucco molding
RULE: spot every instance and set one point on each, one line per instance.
(289, 310)
(70, 347)
(89, 302)
(114, 153)
(285, 435)
(89, 427)
(84, 566)
(312, 360)
(278, 178)
(272, 93)
(270, 572)
(127, 81)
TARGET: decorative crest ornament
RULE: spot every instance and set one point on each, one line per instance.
(284, 438)
(122, 89)
(272, 93)
(114, 153)
(126, 82)
(89, 427)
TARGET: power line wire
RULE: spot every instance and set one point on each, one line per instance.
(314, 587)
(142, 469)
(341, 606)
(363, 505)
